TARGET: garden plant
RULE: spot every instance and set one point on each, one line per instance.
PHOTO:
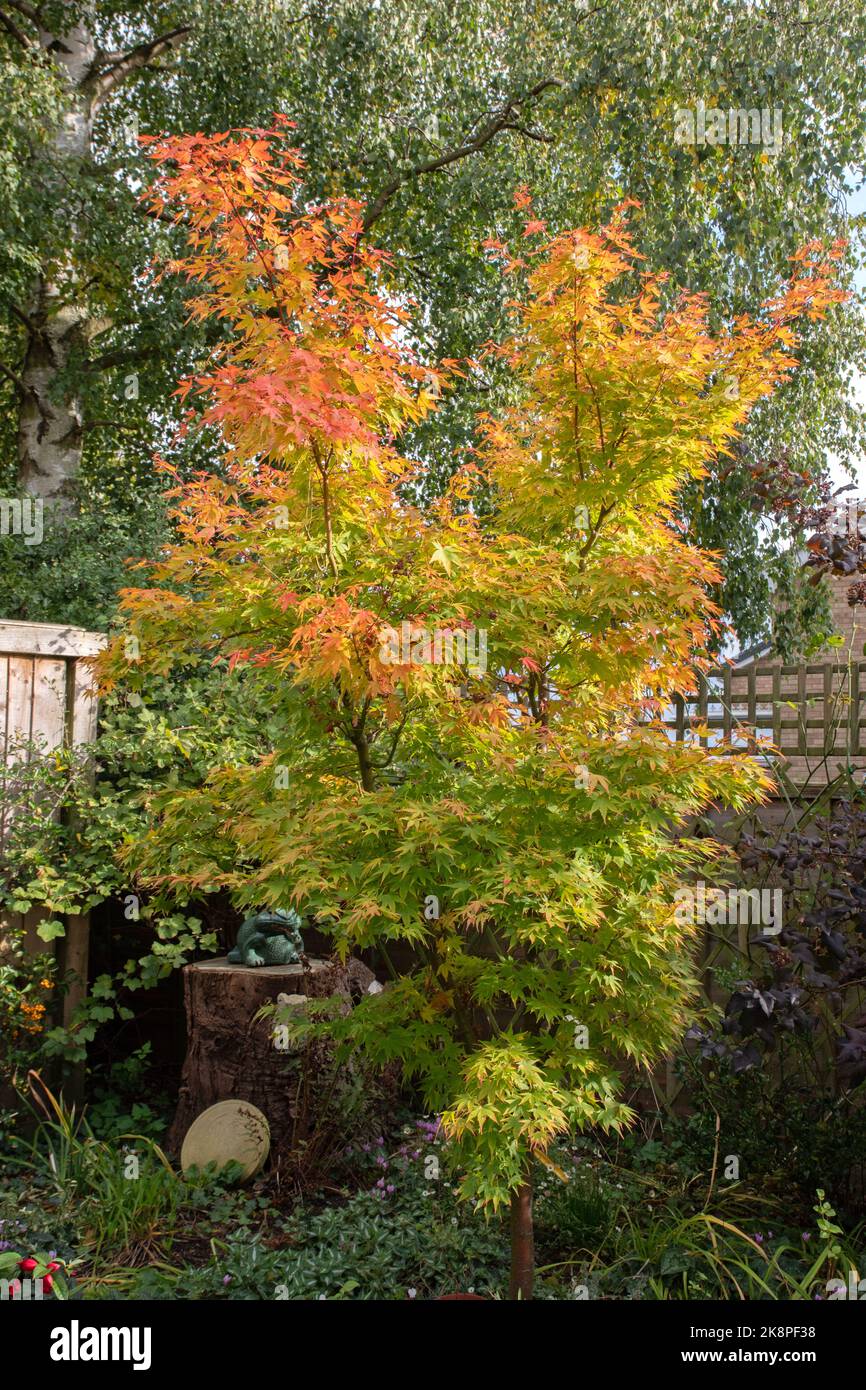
(468, 773)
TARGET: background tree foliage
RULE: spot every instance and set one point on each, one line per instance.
(432, 114)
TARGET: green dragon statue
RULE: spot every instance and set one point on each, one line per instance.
(269, 938)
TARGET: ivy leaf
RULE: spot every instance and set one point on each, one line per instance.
(50, 930)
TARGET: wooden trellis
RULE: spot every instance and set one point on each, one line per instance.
(809, 713)
(806, 720)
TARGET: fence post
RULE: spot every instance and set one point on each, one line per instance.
(854, 711)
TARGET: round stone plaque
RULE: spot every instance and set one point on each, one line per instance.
(231, 1131)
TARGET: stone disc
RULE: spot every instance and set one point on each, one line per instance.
(231, 1131)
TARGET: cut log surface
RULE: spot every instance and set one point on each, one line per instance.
(231, 1055)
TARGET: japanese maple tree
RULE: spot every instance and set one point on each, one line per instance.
(507, 821)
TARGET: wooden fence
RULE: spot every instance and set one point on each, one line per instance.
(47, 701)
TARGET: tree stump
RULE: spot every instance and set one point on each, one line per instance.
(231, 1055)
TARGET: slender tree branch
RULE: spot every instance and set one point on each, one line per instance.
(604, 513)
(108, 424)
(386, 762)
(13, 377)
(120, 357)
(22, 318)
(354, 731)
(106, 59)
(100, 82)
(322, 468)
(17, 34)
(505, 118)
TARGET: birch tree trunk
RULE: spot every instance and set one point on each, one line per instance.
(49, 419)
(56, 319)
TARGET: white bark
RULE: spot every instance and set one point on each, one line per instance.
(56, 315)
(49, 421)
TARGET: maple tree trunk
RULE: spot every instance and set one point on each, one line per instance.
(522, 1242)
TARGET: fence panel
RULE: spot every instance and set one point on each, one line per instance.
(809, 718)
(47, 700)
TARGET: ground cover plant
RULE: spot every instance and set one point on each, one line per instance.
(632, 1218)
